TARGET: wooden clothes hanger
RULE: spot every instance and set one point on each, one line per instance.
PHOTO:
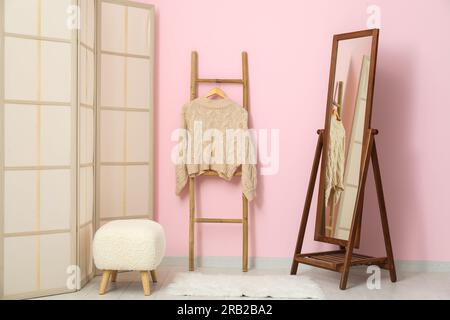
(336, 112)
(216, 92)
(337, 105)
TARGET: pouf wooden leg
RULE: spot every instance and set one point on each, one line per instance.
(145, 282)
(153, 273)
(114, 276)
(105, 280)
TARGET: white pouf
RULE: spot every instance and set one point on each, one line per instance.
(129, 245)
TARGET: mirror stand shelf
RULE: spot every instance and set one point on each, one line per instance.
(341, 260)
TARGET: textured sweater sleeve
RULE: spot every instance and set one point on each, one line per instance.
(180, 169)
(340, 162)
(249, 175)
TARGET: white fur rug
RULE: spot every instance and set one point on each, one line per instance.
(257, 286)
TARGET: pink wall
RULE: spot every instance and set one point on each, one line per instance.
(289, 45)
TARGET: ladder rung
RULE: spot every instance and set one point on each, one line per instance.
(240, 81)
(210, 220)
(215, 174)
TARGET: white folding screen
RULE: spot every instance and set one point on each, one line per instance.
(39, 112)
(76, 134)
(125, 117)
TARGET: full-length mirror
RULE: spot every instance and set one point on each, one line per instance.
(347, 120)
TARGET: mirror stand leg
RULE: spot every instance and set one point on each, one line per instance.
(308, 200)
(357, 218)
(383, 214)
(294, 268)
(344, 278)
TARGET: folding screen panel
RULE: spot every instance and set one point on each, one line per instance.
(76, 135)
(125, 99)
(86, 135)
(38, 154)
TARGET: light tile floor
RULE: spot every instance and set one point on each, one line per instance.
(409, 285)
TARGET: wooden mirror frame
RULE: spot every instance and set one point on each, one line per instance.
(318, 236)
(343, 259)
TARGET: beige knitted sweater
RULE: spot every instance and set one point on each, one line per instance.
(216, 138)
(334, 177)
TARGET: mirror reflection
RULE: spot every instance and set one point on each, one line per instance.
(346, 135)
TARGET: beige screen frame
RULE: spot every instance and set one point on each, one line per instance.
(87, 107)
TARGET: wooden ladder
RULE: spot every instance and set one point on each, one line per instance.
(195, 81)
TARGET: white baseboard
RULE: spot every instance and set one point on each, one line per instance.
(285, 263)
(229, 262)
(423, 266)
